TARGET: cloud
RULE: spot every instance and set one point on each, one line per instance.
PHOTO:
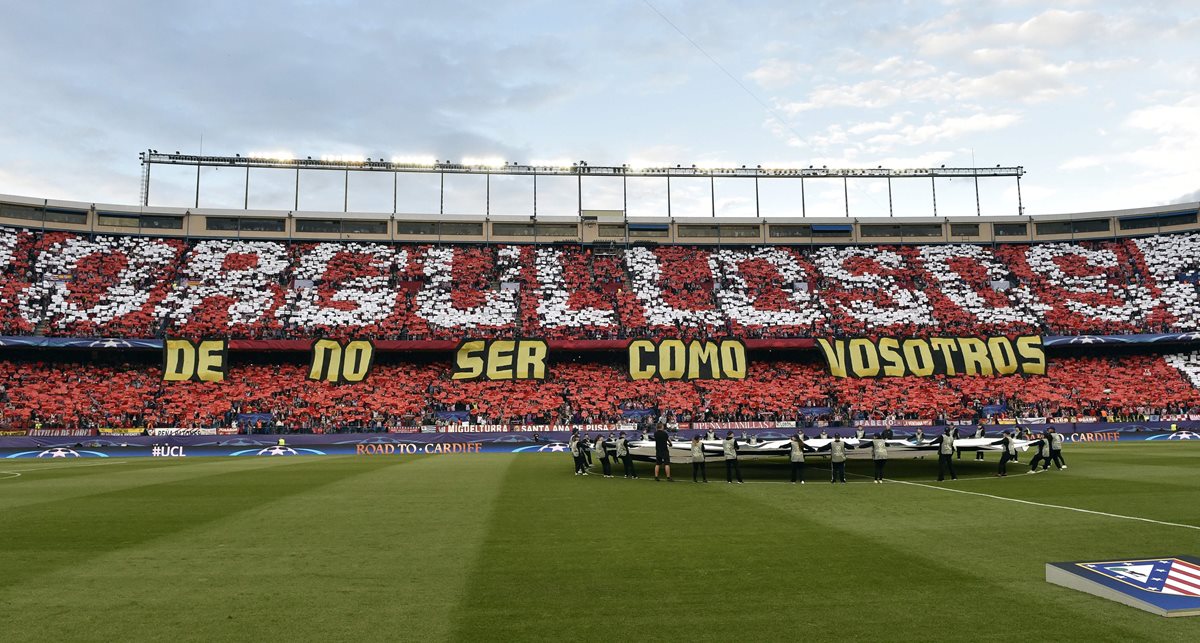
(774, 73)
(1164, 162)
(877, 126)
(872, 139)
(947, 129)
(1052, 28)
(1179, 120)
(1033, 82)
(861, 84)
(1190, 197)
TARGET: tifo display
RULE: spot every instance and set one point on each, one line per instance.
(67, 284)
(351, 336)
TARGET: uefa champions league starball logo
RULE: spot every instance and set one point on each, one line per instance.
(277, 450)
(58, 452)
(553, 447)
(1176, 435)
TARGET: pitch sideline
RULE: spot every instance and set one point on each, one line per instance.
(1025, 502)
(17, 472)
(1043, 504)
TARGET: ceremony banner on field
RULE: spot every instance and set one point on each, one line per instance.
(895, 357)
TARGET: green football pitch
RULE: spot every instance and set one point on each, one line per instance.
(514, 547)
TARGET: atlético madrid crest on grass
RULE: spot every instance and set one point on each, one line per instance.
(1169, 586)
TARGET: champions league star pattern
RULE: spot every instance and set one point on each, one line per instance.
(67, 285)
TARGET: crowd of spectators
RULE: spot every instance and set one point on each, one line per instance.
(88, 395)
(66, 284)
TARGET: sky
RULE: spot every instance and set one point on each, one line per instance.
(1098, 101)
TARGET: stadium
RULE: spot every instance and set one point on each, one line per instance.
(97, 298)
(228, 421)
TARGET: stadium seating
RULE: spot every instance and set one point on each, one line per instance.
(338, 286)
(15, 279)
(69, 394)
(228, 288)
(103, 286)
(67, 284)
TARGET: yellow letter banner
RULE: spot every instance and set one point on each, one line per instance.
(500, 359)
(185, 360)
(676, 359)
(341, 362)
(923, 357)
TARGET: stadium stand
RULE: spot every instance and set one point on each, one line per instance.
(88, 395)
(66, 284)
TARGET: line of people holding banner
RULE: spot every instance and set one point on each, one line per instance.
(1048, 445)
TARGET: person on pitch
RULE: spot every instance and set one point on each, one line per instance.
(1015, 434)
(623, 454)
(879, 456)
(796, 456)
(603, 454)
(1008, 453)
(698, 464)
(859, 433)
(919, 436)
(945, 456)
(980, 432)
(1056, 444)
(662, 452)
(837, 459)
(1043, 453)
(585, 447)
(577, 454)
(730, 446)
